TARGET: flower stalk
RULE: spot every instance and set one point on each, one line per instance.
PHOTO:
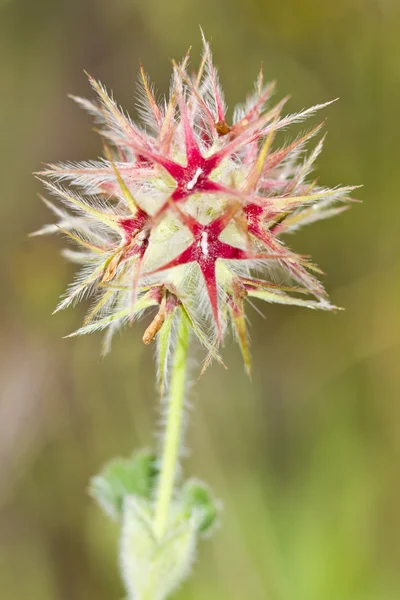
(173, 430)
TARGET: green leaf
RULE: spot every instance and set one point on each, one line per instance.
(200, 504)
(124, 477)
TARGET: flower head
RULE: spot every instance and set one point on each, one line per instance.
(186, 210)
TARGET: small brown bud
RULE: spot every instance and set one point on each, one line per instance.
(154, 327)
(222, 128)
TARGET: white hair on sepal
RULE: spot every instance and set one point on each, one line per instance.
(142, 102)
(312, 214)
(113, 320)
(79, 221)
(77, 257)
(49, 229)
(191, 279)
(241, 268)
(200, 303)
(239, 113)
(290, 161)
(81, 231)
(82, 286)
(298, 117)
(114, 115)
(105, 112)
(121, 314)
(74, 224)
(108, 337)
(79, 172)
(194, 294)
(81, 204)
(200, 315)
(200, 325)
(198, 117)
(56, 210)
(242, 109)
(210, 89)
(76, 293)
(106, 299)
(271, 268)
(92, 108)
(69, 223)
(306, 167)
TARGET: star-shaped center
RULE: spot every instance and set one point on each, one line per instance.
(206, 249)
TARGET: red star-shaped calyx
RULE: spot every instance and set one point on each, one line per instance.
(135, 230)
(194, 177)
(206, 248)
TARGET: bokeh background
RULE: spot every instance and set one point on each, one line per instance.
(306, 457)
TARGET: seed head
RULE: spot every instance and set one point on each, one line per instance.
(187, 208)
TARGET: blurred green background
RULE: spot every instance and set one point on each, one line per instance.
(306, 458)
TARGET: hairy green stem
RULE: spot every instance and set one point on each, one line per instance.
(173, 431)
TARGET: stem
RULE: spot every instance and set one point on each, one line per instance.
(173, 431)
